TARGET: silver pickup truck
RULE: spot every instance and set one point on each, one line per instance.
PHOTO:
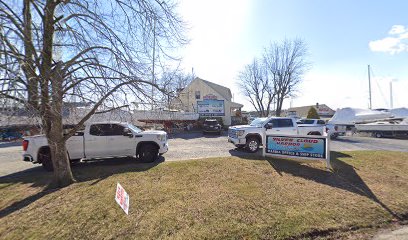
(250, 136)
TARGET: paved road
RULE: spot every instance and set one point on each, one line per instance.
(398, 234)
(195, 145)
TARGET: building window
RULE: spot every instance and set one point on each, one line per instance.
(197, 95)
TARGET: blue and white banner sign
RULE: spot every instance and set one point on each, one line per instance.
(310, 147)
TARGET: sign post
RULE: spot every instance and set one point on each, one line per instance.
(310, 147)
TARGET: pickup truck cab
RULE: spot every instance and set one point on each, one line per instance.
(101, 140)
(250, 136)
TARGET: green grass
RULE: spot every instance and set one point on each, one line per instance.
(211, 198)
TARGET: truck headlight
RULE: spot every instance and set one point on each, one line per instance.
(161, 138)
(240, 132)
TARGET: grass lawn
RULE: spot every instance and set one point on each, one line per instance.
(211, 198)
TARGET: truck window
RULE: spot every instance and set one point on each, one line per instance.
(285, 122)
(106, 130)
(115, 130)
(99, 129)
(322, 122)
(281, 123)
(306, 121)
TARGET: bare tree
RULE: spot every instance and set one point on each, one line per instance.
(286, 64)
(56, 51)
(173, 81)
(256, 86)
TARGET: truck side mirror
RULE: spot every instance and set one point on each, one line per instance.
(269, 125)
(127, 132)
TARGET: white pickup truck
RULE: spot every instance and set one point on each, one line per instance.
(101, 140)
(333, 130)
(250, 136)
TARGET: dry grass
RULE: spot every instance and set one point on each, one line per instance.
(211, 198)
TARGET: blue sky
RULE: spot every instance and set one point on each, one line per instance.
(343, 38)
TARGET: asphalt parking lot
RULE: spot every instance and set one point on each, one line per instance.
(195, 145)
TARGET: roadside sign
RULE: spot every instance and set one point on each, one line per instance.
(122, 198)
(310, 147)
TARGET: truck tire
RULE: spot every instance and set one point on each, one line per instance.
(148, 153)
(252, 144)
(378, 135)
(240, 146)
(44, 156)
(334, 136)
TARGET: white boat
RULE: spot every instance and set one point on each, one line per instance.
(393, 127)
(351, 116)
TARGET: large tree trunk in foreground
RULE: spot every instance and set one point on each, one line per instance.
(62, 168)
(55, 136)
(51, 105)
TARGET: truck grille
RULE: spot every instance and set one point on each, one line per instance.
(232, 133)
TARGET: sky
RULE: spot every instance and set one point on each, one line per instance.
(343, 38)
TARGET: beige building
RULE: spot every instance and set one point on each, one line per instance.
(208, 100)
(323, 110)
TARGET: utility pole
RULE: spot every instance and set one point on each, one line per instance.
(369, 87)
(391, 100)
(154, 47)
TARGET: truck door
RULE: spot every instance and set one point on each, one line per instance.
(75, 145)
(282, 126)
(95, 141)
(118, 144)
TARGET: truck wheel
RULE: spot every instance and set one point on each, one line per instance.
(45, 157)
(334, 136)
(378, 135)
(148, 153)
(252, 145)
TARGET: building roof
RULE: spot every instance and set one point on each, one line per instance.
(223, 91)
(322, 109)
(236, 105)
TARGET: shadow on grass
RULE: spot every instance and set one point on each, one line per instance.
(243, 153)
(94, 171)
(343, 176)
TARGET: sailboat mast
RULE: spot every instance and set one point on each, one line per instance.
(369, 87)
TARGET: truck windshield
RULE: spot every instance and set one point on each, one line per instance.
(212, 123)
(134, 128)
(258, 122)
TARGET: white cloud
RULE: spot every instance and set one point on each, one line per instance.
(397, 29)
(394, 44)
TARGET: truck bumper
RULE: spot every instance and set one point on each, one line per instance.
(237, 141)
(164, 148)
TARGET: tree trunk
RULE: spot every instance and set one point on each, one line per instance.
(279, 103)
(55, 135)
(62, 168)
(51, 108)
(28, 66)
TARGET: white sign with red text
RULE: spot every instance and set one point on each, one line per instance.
(122, 198)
